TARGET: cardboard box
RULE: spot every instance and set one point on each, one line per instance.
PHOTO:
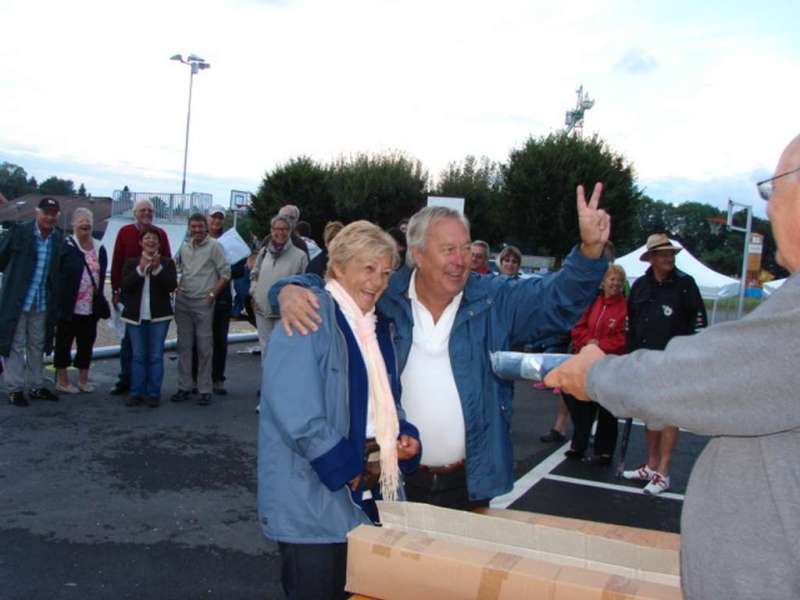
(423, 551)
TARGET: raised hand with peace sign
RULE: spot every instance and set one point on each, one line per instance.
(594, 223)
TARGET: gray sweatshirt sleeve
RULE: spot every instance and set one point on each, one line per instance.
(738, 378)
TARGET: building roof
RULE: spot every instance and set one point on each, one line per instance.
(24, 209)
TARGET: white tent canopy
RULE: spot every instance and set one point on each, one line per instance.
(176, 232)
(772, 286)
(711, 283)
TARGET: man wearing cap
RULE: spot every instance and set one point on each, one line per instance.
(127, 246)
(735, 382)
(29, 262)
(222, 310)
(664, 302)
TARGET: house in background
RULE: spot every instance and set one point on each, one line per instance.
(24, 209)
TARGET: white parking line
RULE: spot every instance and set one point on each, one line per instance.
(610, 486)
(530, 479)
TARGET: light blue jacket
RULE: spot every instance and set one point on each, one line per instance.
(495, 312)
(312, 428)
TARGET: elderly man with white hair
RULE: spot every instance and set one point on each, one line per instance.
(736, 382)
(127, 246)
(29, 261)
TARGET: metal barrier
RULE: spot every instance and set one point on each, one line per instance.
(168, 207)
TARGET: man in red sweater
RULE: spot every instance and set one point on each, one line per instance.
(127, 246)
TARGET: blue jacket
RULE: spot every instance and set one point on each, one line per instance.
(312, 430)
(495, 312)
(17, 263)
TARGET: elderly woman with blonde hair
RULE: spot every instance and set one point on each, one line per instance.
(332, 433)
(81, 302)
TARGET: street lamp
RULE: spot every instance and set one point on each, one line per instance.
(196, 64)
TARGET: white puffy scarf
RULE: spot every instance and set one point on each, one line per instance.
(381, 400)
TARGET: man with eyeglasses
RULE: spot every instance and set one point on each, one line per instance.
(127, 246)
(737, 382)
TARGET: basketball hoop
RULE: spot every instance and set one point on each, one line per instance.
(716, 224)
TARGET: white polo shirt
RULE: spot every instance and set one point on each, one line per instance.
(430, 397)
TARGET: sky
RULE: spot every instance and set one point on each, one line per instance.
(700, 97)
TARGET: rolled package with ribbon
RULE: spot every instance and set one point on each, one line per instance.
(524, 365)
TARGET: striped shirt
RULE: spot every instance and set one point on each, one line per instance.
(36, 298)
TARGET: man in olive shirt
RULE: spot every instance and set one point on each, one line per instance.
(204, 272)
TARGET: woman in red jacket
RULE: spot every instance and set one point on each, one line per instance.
(604, 324)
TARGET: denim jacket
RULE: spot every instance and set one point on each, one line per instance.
(495, 313)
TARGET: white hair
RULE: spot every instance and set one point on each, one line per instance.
(142, 202)
(419, 224)
(82, 211)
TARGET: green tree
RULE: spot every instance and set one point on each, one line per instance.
(57, 187)
(539, 184)
(14, 181)
(301, 181)
(381, 188)
(82, 191)
(479, 182)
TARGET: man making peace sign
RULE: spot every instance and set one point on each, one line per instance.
(446, 322)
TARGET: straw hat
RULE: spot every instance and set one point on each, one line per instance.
(656, 243)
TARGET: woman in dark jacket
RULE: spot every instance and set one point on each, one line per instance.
(83, 269)
(147, 282)
(603, 324)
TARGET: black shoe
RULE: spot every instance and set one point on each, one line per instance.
(553, 436)
(194, 390)
(598, 460)
(180, 396)
(133, 400)
(153, 401)
(219, 389)
(17, 399)
(43, 393)
(574, 454)
(204, 399)
(119, 389)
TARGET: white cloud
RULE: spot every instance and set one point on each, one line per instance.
(93, 85)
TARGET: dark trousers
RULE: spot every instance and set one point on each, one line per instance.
(83, 330)
(125, 361)
(219, 328)
(447, 491)
(313, 571)
(583, 415)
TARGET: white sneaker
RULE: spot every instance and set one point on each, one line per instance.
(659, 483)
(641, 473)
(67, 389)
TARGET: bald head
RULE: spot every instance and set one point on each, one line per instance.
(783, 207)
(291, 212)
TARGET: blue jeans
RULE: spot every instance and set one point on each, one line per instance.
(125, 358)
(147, 367)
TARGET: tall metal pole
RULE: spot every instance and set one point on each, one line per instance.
(188, 117)
(747, 231)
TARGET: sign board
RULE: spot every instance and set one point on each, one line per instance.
(240, 200)
(454, 203)
(234, 246)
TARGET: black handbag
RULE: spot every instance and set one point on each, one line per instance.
(100, 306)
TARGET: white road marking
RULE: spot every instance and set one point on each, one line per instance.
(610, 486)
(531, 478)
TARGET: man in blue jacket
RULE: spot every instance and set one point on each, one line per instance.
(446, 321)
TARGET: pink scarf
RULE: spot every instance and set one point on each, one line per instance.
(381, 400)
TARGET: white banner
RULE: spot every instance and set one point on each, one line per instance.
(234, 246)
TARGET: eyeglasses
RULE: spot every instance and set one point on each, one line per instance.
(765, 188)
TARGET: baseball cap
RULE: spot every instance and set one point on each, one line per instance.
(216, 210)
(49, 203)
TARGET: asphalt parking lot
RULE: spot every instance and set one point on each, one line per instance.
(98, 500)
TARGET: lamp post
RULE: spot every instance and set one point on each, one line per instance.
(195, 64)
